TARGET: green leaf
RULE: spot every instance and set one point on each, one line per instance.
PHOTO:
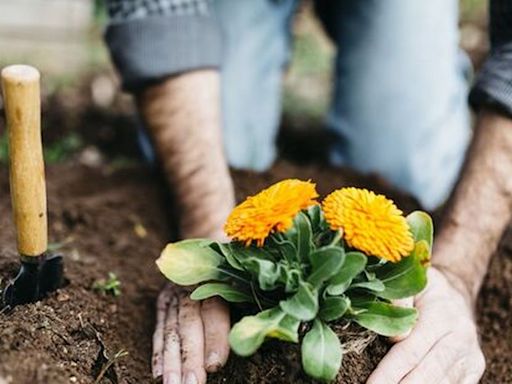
(229, 252)
(304, 304)
(422, 252)
(360, 299)
(374, 285)
(406, 278)
(332, 308)
(190, 262)
(266, 271)
(226, 291)
(242, 253)
(257, 262)
(321, 352)
(421, 227)
(354, 264)
(301, 235)
(291, 277)
(248, 334)
(386, 319)
(325, 262)
(316, 217)
(285, 247)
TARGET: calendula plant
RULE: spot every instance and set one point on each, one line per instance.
(298, 261)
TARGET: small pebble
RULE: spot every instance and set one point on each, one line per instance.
(140, 231)
(62, 297)
(91, 157)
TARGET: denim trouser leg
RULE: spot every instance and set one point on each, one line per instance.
(399, 105)
(255, 50)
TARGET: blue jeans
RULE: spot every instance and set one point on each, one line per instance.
(399, 105)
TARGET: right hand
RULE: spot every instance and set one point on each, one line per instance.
(443, 347)
(191, 337)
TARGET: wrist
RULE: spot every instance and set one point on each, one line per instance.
(457, 255)
(461, 284)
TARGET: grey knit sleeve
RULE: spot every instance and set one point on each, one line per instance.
(493, 86)
(152, 39)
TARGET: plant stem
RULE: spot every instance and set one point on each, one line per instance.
(255, 295)
(337, 237)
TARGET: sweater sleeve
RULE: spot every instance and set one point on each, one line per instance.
(149, 40)
(493, 86)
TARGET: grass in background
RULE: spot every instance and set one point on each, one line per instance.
(472, 9)
(307, 85)
(61, 150)
(56, 152)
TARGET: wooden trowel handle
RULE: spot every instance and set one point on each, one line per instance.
(20, 84)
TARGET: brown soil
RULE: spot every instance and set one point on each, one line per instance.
(96, 213)
(114, 217)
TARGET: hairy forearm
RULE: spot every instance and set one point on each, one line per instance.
(480, 207)
(182, 115)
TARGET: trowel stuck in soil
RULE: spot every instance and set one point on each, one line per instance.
(40, 272)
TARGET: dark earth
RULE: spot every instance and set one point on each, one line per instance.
(110, 213)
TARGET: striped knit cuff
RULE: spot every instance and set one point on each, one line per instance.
(149, 49)
(493, 86)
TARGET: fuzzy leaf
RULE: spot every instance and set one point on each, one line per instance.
(248, 334)
(321, 352)
(422, 252)
(406, 278)
(229, 252)
(243, 253)
(386, 319)
(316, 217)
(226, 291)
(374, 285)
(190, 262)
(301, 236)
(354, 264)
(332, 308)
(325, 262)
(421, 227)
(266, 271)
(303, 305)
(286, 248)
(291, 277)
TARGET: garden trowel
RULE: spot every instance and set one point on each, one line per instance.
(40, 272)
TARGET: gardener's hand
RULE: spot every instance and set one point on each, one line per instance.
(191, 337)
(442, 348)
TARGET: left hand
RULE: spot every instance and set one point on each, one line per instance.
(442, 348)
(191, 337)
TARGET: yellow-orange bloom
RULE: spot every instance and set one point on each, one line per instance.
(370, 222)
(271, 210)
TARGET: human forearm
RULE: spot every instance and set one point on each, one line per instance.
(480, 208)
(182, 115)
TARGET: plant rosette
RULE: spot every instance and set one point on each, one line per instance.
(295, 260)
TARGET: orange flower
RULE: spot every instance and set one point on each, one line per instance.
(370, 222)
(271, 210)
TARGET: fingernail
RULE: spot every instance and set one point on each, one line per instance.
(157, 373)
(190, 378)
(172, 378)
(213, 362)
